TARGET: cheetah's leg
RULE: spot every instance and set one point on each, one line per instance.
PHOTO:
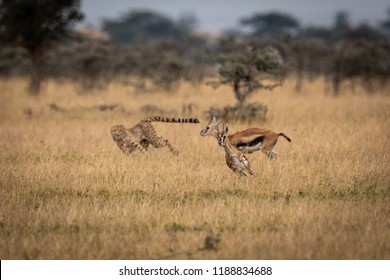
(160, 142)
(129, 145)
(156, 141)
(145, 144)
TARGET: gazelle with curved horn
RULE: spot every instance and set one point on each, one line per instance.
(248, 140)
(235, 160)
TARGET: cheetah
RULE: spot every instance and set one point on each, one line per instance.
(143, 133)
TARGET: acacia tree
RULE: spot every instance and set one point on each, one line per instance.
(36, 25)
(247, 72)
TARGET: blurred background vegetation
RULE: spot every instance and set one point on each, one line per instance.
(68, 192)
(150, 51)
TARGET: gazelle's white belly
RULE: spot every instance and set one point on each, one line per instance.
(250, 149)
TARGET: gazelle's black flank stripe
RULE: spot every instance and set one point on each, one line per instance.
(173, 120)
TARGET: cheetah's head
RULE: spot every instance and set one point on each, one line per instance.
(117, 132)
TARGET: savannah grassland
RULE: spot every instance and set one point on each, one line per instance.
(68, 192)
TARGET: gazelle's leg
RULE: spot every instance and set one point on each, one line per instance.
(273, 154)
(248, 167)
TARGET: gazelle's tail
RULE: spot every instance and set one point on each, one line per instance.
(285, 136)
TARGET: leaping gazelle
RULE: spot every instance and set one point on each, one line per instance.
(248, 140)
(235, 160)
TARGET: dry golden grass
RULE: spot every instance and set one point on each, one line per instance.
(68, 192)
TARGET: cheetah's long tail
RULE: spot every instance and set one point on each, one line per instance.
(173, 120)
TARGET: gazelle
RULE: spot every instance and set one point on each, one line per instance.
(248, 140)
(235, 160)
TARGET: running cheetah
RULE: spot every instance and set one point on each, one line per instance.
(143, 134)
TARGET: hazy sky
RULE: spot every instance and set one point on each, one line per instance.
(218, 15)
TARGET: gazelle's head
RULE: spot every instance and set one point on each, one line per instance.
(211, 129)
(223, 137)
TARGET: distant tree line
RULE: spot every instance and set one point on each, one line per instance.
(150, 51)
(342, 53)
